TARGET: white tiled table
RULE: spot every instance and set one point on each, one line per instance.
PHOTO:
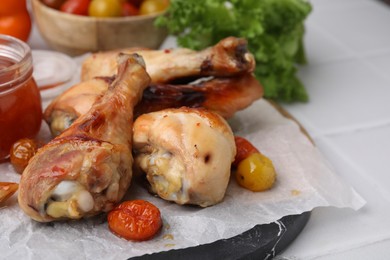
(348, 116)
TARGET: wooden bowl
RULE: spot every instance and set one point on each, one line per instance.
(75, 34)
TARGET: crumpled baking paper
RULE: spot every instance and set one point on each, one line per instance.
(304, 181)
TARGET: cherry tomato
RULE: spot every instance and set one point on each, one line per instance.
(79, 7)
(56, 4)
(244, 149)
(129, 10)
(256, 173)
(105, 8)
(153, 6)
(15, 19)
(21, 152)
(136, 220)
(136, 3)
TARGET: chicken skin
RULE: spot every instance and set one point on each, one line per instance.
(230, 57)
(88, 168)
(224, 96)
(186, 154)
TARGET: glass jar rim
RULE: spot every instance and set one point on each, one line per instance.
(19, 52)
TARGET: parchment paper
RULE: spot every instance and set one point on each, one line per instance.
(304, 181)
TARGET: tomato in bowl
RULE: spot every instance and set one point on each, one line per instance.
(76, 34)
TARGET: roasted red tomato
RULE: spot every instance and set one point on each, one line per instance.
(244, 149)
(136, 220)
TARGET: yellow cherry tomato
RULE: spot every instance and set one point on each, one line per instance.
(256, 173)
(105, 8)
(153, 6)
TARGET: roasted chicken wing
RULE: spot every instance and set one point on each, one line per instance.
(229, 57)
(224, 96)
(186, 154)
(88, 168)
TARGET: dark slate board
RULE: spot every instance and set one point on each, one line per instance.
(261, 242)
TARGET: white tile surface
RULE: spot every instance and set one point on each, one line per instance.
(381, 63)
(338, 93)
(332, 4)
(348, 116)
(322, 48)
(334, 230)
(369, 151)
(353, 23)
(377, 251)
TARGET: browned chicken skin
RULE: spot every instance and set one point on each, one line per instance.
(229, 57)
(88, 168)
(224, 96)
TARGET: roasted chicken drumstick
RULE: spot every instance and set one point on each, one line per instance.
(230, 57)
(186, 154)
(224, 96)
(88, 168)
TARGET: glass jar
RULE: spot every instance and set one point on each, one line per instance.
(20, 100)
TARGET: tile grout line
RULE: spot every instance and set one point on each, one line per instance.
(373, 53)
(316, 132)
(383, 75)
(350, 53)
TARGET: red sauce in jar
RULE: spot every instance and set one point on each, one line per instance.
(20, 101)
